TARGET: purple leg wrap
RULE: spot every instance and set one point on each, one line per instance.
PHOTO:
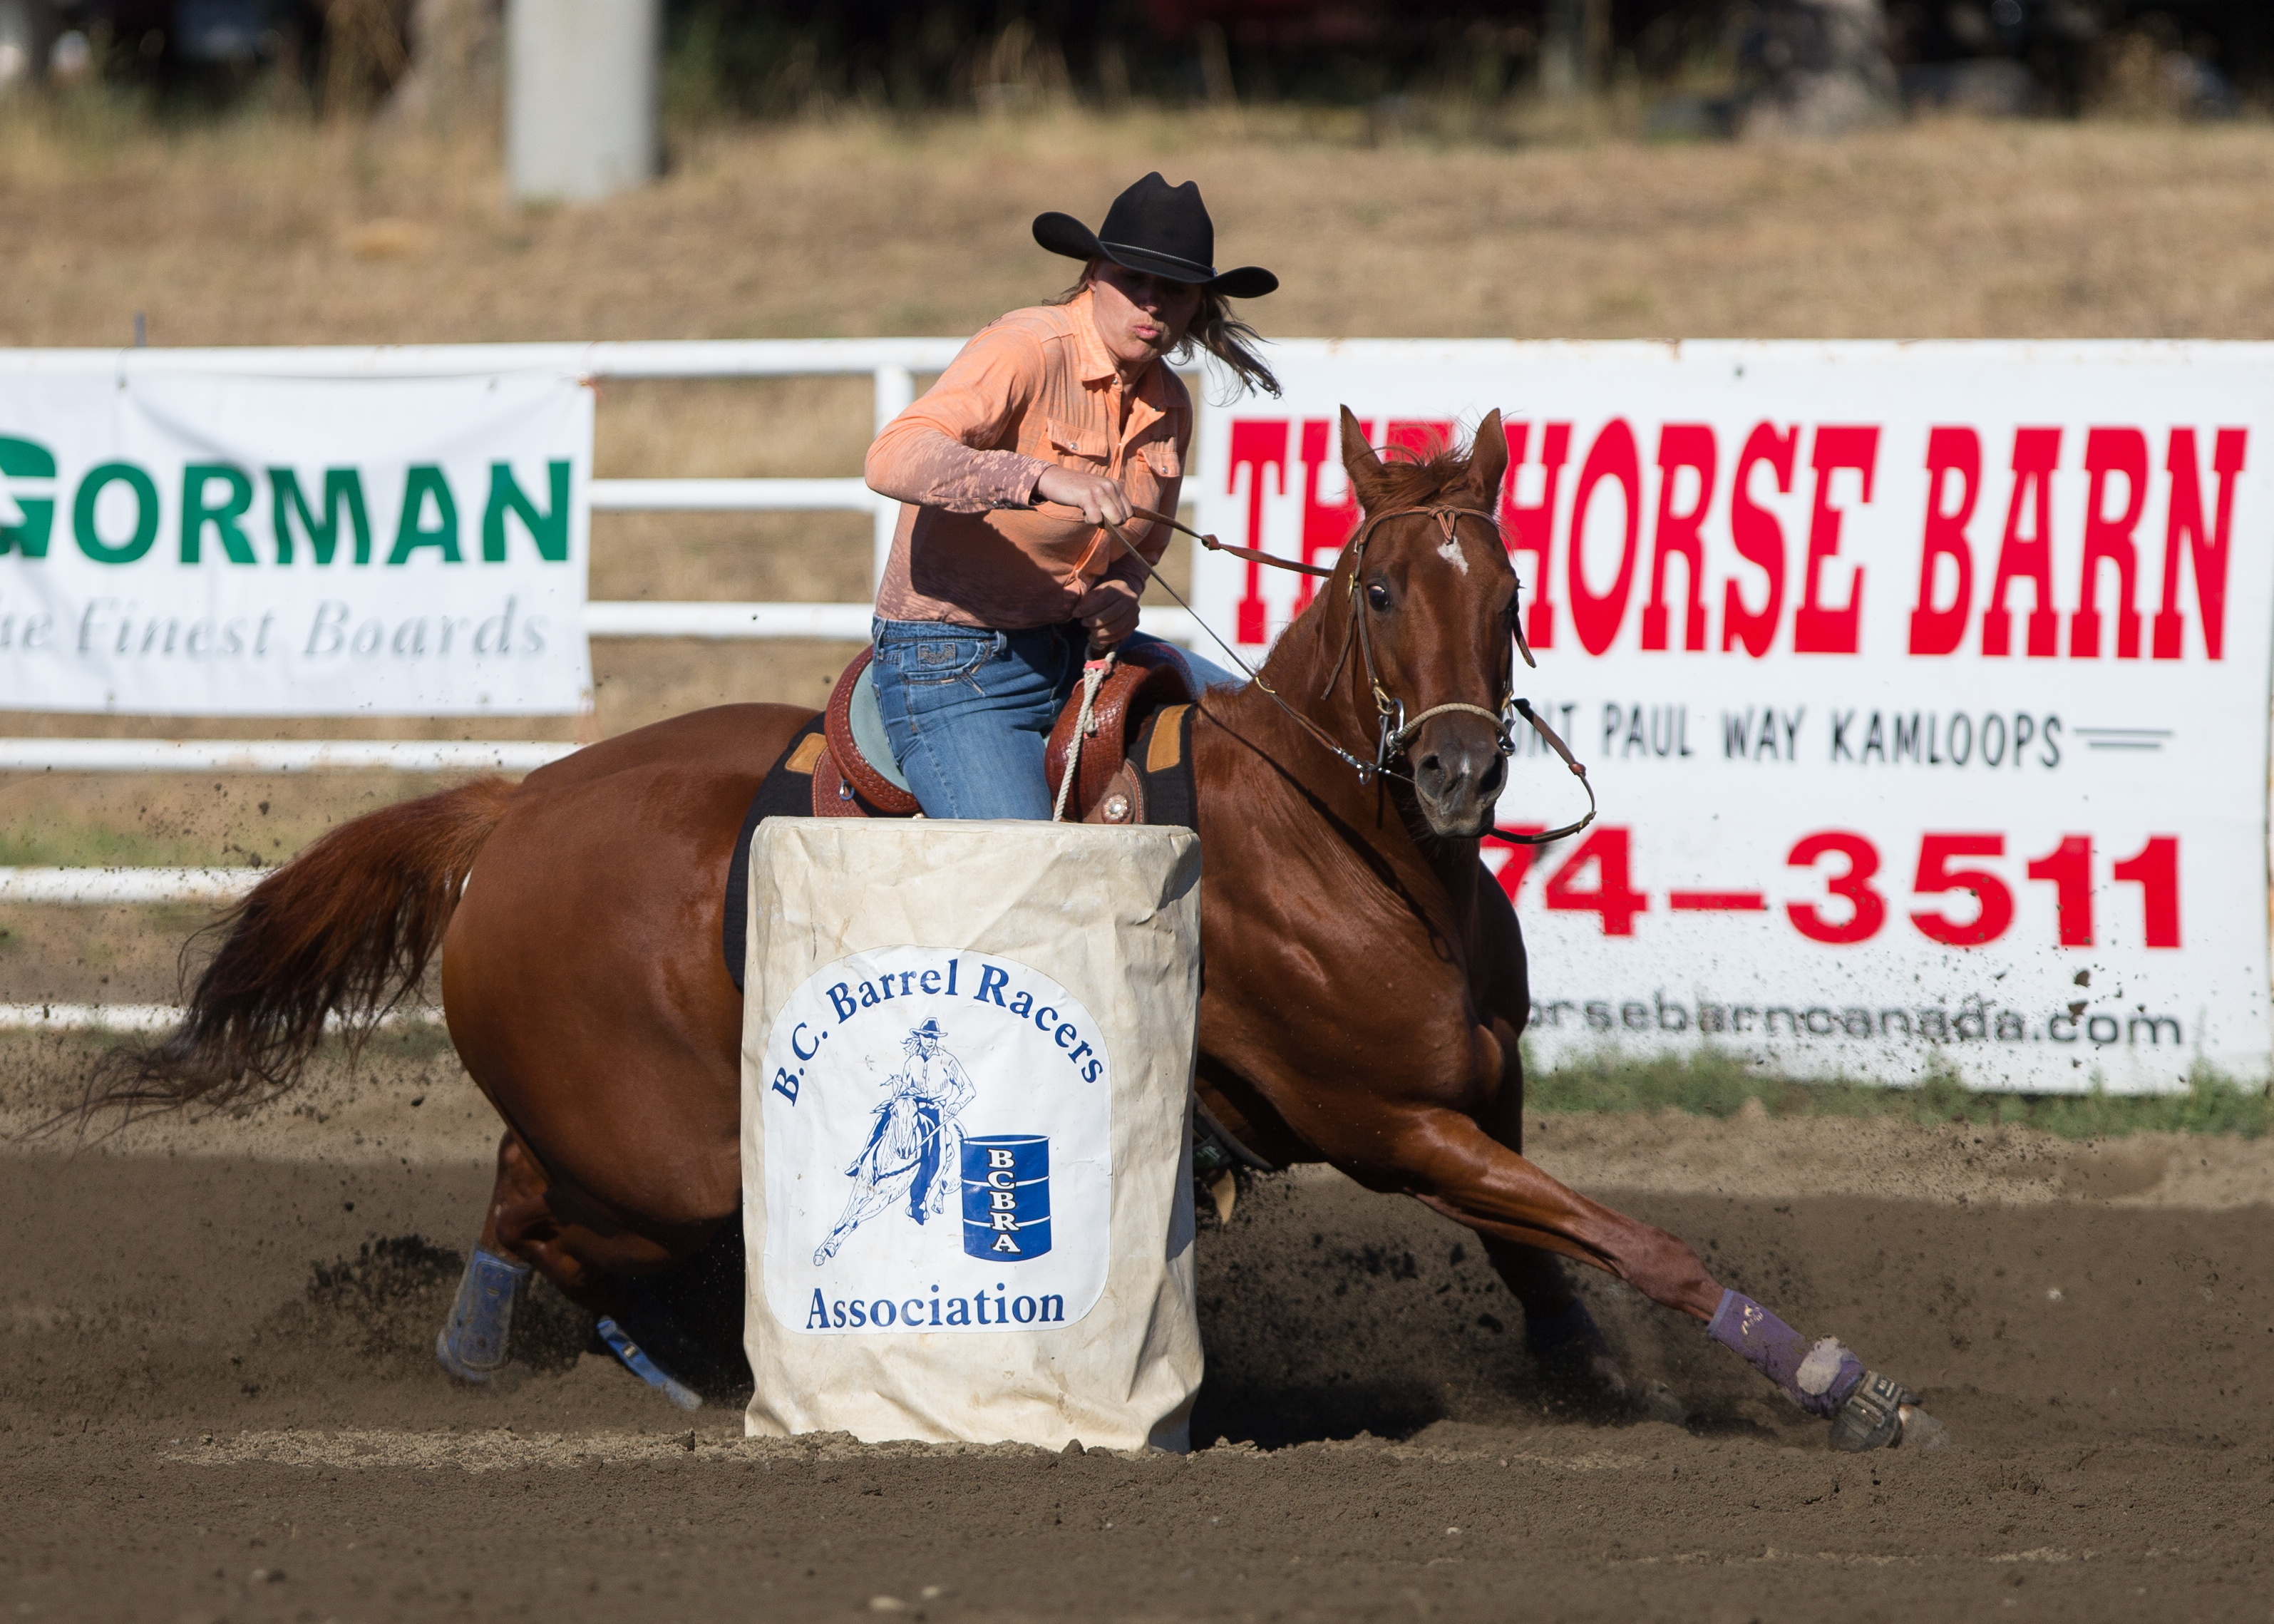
(1820, 1375)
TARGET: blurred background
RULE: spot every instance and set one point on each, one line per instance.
(1458, 68)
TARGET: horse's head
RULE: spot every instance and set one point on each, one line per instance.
(1433, 616)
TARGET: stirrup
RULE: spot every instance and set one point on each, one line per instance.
(472, 1345)
(1872, 1417)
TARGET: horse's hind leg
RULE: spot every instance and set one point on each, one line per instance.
(477, 1341)
(1552, 1310)
(1567, 1345)
(534, 1226)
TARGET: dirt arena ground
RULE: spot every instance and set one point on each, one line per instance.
(221, 1402)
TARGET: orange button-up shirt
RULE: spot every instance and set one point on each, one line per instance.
(1037, 388)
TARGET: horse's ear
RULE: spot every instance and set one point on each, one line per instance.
(1489, 460)
(1358, 459)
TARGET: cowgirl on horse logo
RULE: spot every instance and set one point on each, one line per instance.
(904, 1148)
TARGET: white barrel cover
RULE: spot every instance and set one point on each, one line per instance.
(966, 1082)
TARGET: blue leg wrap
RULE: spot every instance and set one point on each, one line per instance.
(634, 1359)
(472, 1346)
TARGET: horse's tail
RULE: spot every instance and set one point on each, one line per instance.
(345, 930)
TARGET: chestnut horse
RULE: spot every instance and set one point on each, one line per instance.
(1365, 991)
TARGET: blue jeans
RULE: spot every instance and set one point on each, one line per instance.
(969, 711)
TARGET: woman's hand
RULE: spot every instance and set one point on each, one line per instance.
(1101, 501)
(1110, 611)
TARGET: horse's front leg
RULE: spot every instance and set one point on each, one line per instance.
(1573, 1357)
(1445, 1159)
(1449, 1162)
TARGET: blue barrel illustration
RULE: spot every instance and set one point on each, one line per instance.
(1006, 1196)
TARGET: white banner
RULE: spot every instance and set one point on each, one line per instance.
(203, 544)
(1924, 687)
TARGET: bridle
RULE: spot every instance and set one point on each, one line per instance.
(1396, 730)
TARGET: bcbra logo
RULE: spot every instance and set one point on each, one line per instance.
(1007, 1197)
(27, 503)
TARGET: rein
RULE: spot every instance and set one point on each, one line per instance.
(1396, 729)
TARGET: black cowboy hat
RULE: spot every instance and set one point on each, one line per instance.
(1161, 230)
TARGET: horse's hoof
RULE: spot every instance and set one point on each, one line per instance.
(1881, 1414)
(1579, 1371)
(446, 1357)
(1591, 1384)
(1921, 1430)
(1655, 1401)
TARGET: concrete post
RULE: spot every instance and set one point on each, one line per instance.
(1562, 48)
(580, 95)
(1574, 48)
(1815, 67)
(27, 31)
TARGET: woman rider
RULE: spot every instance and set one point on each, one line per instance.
(986, 603)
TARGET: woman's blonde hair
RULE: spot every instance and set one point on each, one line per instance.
(1214, 328)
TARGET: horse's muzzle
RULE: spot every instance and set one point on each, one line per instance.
(1458, 769)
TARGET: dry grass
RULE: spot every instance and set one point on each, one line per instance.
(271, 233)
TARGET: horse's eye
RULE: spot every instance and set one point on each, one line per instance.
(1378, 595)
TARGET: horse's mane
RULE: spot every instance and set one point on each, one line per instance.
(1413, 478)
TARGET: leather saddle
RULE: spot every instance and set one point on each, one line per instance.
(855, 776)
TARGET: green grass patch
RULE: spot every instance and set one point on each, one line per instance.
(103, 846)
(1714, 1085)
